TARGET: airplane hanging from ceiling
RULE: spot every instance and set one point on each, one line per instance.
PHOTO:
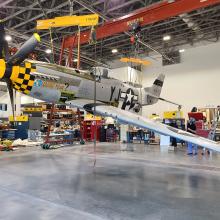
(54, 84)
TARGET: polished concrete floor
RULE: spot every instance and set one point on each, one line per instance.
(127, 182)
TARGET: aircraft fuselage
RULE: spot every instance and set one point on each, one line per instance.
(55, 83)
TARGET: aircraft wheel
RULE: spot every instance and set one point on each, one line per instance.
(82, 142)
(45, 146)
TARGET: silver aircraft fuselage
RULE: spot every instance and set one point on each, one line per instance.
(55, 83)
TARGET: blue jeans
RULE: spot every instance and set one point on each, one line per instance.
(190, 148)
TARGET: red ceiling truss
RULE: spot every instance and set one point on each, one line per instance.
(147, 15)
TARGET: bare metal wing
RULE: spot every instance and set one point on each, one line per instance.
(140, 121)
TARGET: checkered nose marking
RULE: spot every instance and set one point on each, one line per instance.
(21, 77)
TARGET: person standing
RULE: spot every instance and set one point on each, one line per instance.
(174, 141)
(191, 128)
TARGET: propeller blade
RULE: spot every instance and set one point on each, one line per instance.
(11, 95)
(25, 50)
(4, 51)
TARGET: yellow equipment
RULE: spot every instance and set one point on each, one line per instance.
(173, 114)
(90, 117)
(65, 21)
(18, 118)
(154, 116)
(135, 60)
(33, 109)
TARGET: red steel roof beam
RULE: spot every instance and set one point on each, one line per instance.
(148, 15)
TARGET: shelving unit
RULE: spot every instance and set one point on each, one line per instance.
(55, 114)
(90, 128)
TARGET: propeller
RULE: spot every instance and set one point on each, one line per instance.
(24, 51)
(11, 95)
(7, 63)
(4, 51)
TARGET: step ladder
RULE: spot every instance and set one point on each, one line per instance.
(215, 124)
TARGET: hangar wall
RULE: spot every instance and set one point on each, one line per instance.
(5, 99)
(20, 98)
(193, 82)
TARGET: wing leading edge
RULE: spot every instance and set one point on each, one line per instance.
(140, 121)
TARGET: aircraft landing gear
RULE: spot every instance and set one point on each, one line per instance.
(45, 146)
(82, 142)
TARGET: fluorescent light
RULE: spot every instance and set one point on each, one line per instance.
(75, 60)
(166, 38)
(8, 38)
(48, 51)
(181, 50)
(114, 50)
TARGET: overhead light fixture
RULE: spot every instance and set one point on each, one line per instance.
(182, 50)
(75, 60)
(8, 38)
(114, 50)
(166, 37)
(48, 51)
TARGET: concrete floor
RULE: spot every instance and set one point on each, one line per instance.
(128, 182)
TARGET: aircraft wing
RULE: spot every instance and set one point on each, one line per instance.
(126, 117)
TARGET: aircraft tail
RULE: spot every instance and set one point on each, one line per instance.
(151, 94)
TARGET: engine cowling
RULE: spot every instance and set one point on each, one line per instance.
(20, 76)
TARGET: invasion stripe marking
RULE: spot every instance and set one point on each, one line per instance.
(23, 81)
